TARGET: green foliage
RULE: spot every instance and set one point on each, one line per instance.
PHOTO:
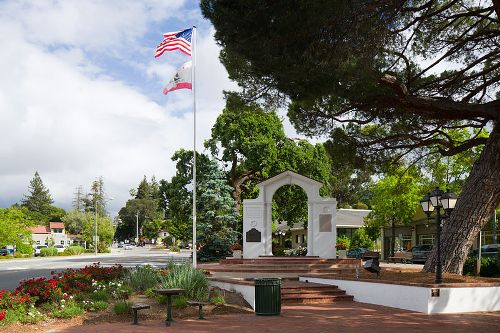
(174, 248)
(188, 278)
(395, 198)
(141, 278)
(343, 241)
(48, 252)
(95, 305)
(105, 231)
(74, 250)
(361, 238)
(69, 309)
(180, 302)
(23, 248)
(145, 202)
(100, 295)
(14, 223)
(176, 194)
(74, 221)
(489, 266)
(218, 300)
(122, 308)
(217, 217)
(150, 292)
(38, 199)
(360, 205)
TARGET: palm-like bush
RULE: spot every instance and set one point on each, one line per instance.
(188, 278)
(142, 278)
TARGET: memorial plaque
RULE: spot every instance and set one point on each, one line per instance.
(253, 235)
(325, 222)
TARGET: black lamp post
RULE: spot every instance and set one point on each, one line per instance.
(438, 199)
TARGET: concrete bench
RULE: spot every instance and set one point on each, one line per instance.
(200, 305)
(137, 307)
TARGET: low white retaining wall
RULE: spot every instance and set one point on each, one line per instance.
(247, 291)
(419, 298)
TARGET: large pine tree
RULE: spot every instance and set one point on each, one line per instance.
(38, 199)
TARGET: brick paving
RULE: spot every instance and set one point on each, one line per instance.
(342, 317)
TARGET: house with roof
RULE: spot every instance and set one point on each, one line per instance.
(55, 232)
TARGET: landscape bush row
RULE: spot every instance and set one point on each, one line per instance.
(95, 288)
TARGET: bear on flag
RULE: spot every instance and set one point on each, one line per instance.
(181, 79)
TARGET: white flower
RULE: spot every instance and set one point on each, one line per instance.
(62, 305)
(71, 297)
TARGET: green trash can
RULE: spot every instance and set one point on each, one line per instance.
(268, 296)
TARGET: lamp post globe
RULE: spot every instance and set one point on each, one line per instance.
(436, 200)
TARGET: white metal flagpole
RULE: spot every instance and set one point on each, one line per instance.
(193, 69)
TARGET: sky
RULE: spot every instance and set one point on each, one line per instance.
(81, 94)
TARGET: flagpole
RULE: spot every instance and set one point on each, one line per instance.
(193, 69)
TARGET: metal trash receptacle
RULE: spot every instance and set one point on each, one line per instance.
(268, 296)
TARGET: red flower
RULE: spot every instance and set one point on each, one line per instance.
(2, 315)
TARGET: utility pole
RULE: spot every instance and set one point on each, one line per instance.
(95, 227)
(137, 228)
(78, 198)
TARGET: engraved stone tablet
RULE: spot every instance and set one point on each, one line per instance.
(325, 222)
(253, 235)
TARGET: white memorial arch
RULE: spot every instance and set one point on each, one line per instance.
(257, 218)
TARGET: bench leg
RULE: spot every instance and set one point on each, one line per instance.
(200, 312)
(136, 320)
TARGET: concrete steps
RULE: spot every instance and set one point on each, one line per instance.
(295, 292)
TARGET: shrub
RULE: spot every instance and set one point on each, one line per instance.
(24, 249)
(99, 295)
(48, 252)
(42, 288)
(180, 302)
(218, 300)
(174, 248)
(68, 310)
(188, 278)
(122, 308)
(18, 255)
(361, 238)
(278, 250)
(343, 243)
(301, 251)
(142, 278)
(74, 250)
(95, 306)
(489, 266)
(149, 292)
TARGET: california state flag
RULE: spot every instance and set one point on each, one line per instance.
(181, 79)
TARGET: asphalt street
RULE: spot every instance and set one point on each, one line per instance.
(14, 270)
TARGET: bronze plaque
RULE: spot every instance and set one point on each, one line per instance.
(253, 235)
(325, 222)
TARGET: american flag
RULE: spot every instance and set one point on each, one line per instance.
(178, 40)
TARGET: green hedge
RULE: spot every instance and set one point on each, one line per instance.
(489, 267)
(24, 248)
(74, 250)
(48, 252)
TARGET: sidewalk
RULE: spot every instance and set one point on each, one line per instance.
(347, 317)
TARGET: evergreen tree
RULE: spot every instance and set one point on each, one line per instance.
(38, 200)
(216, 216)
(143, 190)
(96, 198)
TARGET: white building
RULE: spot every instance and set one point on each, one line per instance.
(56, 232)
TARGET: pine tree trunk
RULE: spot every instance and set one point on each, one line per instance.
(479, 198)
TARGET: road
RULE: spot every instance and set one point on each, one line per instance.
(14, 270)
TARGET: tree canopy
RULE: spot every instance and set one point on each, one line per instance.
(393, 76)
(38, 199)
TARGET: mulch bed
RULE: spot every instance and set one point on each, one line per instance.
(416, 276)
(234, 304)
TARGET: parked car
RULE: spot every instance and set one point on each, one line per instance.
(128, 247)
(60, 248)
(37, 249)
(489, 250)
(356, 253)
(120, 245)
(420, 253)
(4, 251)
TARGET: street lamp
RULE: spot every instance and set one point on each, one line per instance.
(281, 234)
(438, 199)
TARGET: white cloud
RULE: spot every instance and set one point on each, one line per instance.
(71, 120)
